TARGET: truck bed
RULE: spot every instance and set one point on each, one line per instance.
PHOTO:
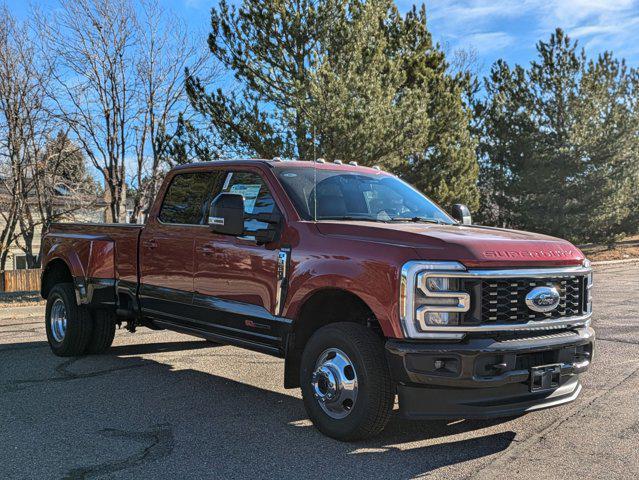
(95, 250)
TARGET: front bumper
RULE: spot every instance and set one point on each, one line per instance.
(485, 377)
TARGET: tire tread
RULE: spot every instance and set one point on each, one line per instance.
(79, 322)
(103, 332)
(380, 387)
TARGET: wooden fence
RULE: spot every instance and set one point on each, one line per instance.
(20, 280)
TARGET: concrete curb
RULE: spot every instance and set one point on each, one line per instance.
(615, 262)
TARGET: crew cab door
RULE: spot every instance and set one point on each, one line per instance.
(236, 280)
(166, 249)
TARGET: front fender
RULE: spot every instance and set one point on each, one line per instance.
(375, 283)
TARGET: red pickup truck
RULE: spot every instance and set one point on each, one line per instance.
(363, 285)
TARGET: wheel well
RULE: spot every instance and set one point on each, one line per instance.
(55, 272)
(322, 308)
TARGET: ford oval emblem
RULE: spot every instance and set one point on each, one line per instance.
(543, 299)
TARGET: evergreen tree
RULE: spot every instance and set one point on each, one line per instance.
(559, 144)
(342, 79)
(66, 160)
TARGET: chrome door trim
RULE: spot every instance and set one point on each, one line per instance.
(283, 260)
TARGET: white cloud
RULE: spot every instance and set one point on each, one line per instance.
(573, 12)
(496, 24)
(485, 42)
(474, 10)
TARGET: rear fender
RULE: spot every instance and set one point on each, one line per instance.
(91, 262)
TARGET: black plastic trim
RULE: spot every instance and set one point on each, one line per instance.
(483, 377)
(209, 316)
(509, 400)
(95, 292)
(472, 350)
(228, 339)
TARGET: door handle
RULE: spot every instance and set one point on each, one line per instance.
(150, 243)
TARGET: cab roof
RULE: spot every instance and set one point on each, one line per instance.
(280, 163)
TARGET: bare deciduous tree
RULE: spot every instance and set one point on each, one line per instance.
(92, 43)
(26, 123)
(165, 50)
(38, 185)
(14, 93)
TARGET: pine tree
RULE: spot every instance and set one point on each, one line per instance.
(342, 79)
(559, 142)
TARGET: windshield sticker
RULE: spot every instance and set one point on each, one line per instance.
(249, 192)
(227, 181)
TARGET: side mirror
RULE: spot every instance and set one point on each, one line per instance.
(272, 231)
(462, 214)
(227, 214)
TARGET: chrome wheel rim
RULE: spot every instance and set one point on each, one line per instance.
(334, 383)
(58, 320)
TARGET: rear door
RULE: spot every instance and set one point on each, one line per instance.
(166, 249)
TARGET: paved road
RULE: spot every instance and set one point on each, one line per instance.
(163, 405)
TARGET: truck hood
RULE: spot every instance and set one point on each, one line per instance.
(474, 246)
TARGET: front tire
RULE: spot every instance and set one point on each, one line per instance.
(346, 383)
(68, 324)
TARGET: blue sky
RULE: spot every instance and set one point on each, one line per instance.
(495, 29)
(510, 29)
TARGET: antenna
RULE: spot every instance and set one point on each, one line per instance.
(314, 178)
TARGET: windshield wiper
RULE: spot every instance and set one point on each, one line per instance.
(346, 217)
(416, 220)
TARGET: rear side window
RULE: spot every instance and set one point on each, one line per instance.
(185, 201)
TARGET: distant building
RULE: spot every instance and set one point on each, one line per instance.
(93, 210)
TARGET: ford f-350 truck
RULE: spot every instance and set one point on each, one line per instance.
(363, 285)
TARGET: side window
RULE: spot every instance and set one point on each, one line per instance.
(257, 197)
(185, 199)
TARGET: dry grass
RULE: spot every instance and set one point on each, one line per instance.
(623, 250)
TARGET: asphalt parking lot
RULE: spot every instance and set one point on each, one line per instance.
(164, 405)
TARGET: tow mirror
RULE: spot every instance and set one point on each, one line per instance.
(462, 214)
(272, 231)
(227, 214)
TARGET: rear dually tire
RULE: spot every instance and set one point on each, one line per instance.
(103, 332)
(68, 325)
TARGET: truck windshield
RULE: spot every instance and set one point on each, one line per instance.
(343, 195)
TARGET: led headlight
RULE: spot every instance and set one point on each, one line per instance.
(588, 288)
(430, 298)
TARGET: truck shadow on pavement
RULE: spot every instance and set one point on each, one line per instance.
(157, 418)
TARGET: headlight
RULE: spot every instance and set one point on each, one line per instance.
(430, 298)
(588, 288)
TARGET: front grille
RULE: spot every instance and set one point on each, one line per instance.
(503, 300)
